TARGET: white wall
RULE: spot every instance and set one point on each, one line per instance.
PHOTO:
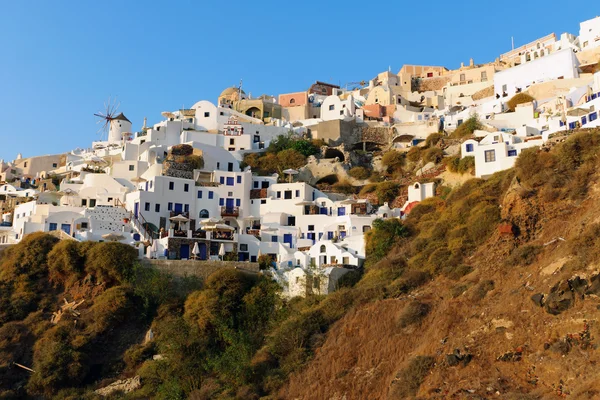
(589, 31)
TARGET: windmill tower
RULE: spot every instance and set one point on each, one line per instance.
(113, 125)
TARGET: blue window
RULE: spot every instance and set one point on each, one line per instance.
(230, 181)
(210, 194)
(221, 180)
(297, 193)
(583, 120)
(593, 116)
(572, 125)
(329, 235)
(157, 207)
(221, 201)
(199, 194)
(562, 123)
(147, 207)
(186, 208)
(274, 239)
(239, 179)
(512, 153)
(469, 147)
(255, 185)
(52, 227)
(278, 195)
(170, 206)
(66, 228)
(237, 202)
(186, 187)
(171, 185)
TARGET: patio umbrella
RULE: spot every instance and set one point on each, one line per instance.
(113, 237)
(223, 227)
(222, 250)
(290, 172)
(196, 250)
(348, 201)
(179, 218)
(210, 221)
(149, 252)
(577, 112)
(154, 247)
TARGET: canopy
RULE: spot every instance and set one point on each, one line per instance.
(113, 237)
(138, 179)
(251, 218)
(306, 203)
(290, 171)
(348, 201)
(179, 218)
(577, 112)
(211, 221)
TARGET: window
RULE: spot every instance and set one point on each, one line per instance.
(263, 201)
(292, 101)
(490, 156)
(54, 165)
(341, 112)
(366, 228)
(230, 194)
(171, 185)
(170, 206)
(287, 194)
(323, 249)
(210, 194)
(239, 179)
(110, 199)
(84, 225)
(157, 207)
(483, 76)
(186, 187)
(274, 239)
(243, 247)
(218, 165)
(512, 153)
(463, 77)
(345, 260)
(255, 185)
(230, 181)
(84, 203)
(297, 193)
(25, 164)
(92, 203)
(231, 141)
(256, 138)
(147, 206)
(132, 167)
(331, 107)
(593, 116)
(206, 114)
(199, 194)
(52, 227)
(222, 180)
(186, 208)
(221, 201)
(203, 214)
(237, 202)
(429, 75)
(278, 195)
(311, 227)
(469, 147)
(504, 88)
(230, 167)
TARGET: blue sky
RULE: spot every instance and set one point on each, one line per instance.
(61, 60)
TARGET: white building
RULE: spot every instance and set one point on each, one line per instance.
(335, 108)
(589, 34)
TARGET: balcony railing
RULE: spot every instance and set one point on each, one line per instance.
(230, 212)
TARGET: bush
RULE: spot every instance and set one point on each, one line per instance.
(409, 281)
(376, 177)
(66, 262)
(383, 236)
(467, 128)
(343, 187)
(433, 139)
(524, 255)
(414, 154)
(519, 98)
(370, 188)
(434, 155)
(111, 262)
(359, 173)
(409, 380)
(481, 290)
(387, 192)
(110, 309)
(393, 161)
(460, 165)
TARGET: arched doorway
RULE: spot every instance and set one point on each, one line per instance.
(333, 153)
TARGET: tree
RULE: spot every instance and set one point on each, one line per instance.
(111, 262)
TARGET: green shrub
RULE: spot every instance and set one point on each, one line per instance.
(393, 161)
(414, 154)
(387, 192)
(111, 262)
(376, 177)
(433, 139)
(359, 173)
(519, 98)
(481, 289)
(409, 281)
(343, 187)
(467, 127)
(524, 255)
(408, 380)
(66, 262)
(383, 236)
(434, 155)
(369, 188)
(110, 309)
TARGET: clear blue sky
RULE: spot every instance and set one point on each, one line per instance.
(60, 60)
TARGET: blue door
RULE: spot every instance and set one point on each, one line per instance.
(341, 211)
(287, 238)
(323, 210)
(66, 228)
(184, 251)
(136, 209)
(178, 208)
(229, 204)
(311, 236)
(203, 251)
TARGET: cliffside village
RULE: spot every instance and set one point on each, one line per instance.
(144, 189)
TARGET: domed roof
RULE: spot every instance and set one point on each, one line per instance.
(229, 91)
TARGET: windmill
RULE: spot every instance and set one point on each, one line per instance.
(105, 117)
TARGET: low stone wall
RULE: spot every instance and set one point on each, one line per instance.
(200, 269)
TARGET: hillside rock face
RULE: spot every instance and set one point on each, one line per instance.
(521, 209)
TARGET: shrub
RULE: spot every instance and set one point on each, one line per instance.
(264, 261)
(414, 154)
(110, 262)
(409, 281)
(370, 188)
(408, 381)
(393, 161)
(482, 288)
(66, 262)
(433, 139)
(434, 155)
(380, 239)
(519, 98)
(343, 187)
(359, 173)
(387, 191)
(467, 128)
(110, 309)
(376, 177)
(524, 255)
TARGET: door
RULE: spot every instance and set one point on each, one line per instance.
(229, 204)
(202, 251)
(184, 251)
(178, 208)
(66, 228)
(287, 238)
(323, 210)
(136, 209)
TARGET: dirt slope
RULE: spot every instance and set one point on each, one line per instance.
(519, 350)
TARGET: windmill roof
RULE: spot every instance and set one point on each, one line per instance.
(121, 117)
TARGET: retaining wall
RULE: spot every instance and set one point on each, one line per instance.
(201, 269)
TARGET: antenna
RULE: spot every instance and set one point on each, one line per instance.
(512, 39)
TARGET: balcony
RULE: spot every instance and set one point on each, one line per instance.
(222, 235)
(230, 212)
(258, 194)
(177, 233)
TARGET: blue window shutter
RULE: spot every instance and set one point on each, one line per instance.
(210, 194)
(237, 202)
(239, 179)
(221, 201)
(199, 194)
(230, 181)
(274, 239)
(222, 180)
